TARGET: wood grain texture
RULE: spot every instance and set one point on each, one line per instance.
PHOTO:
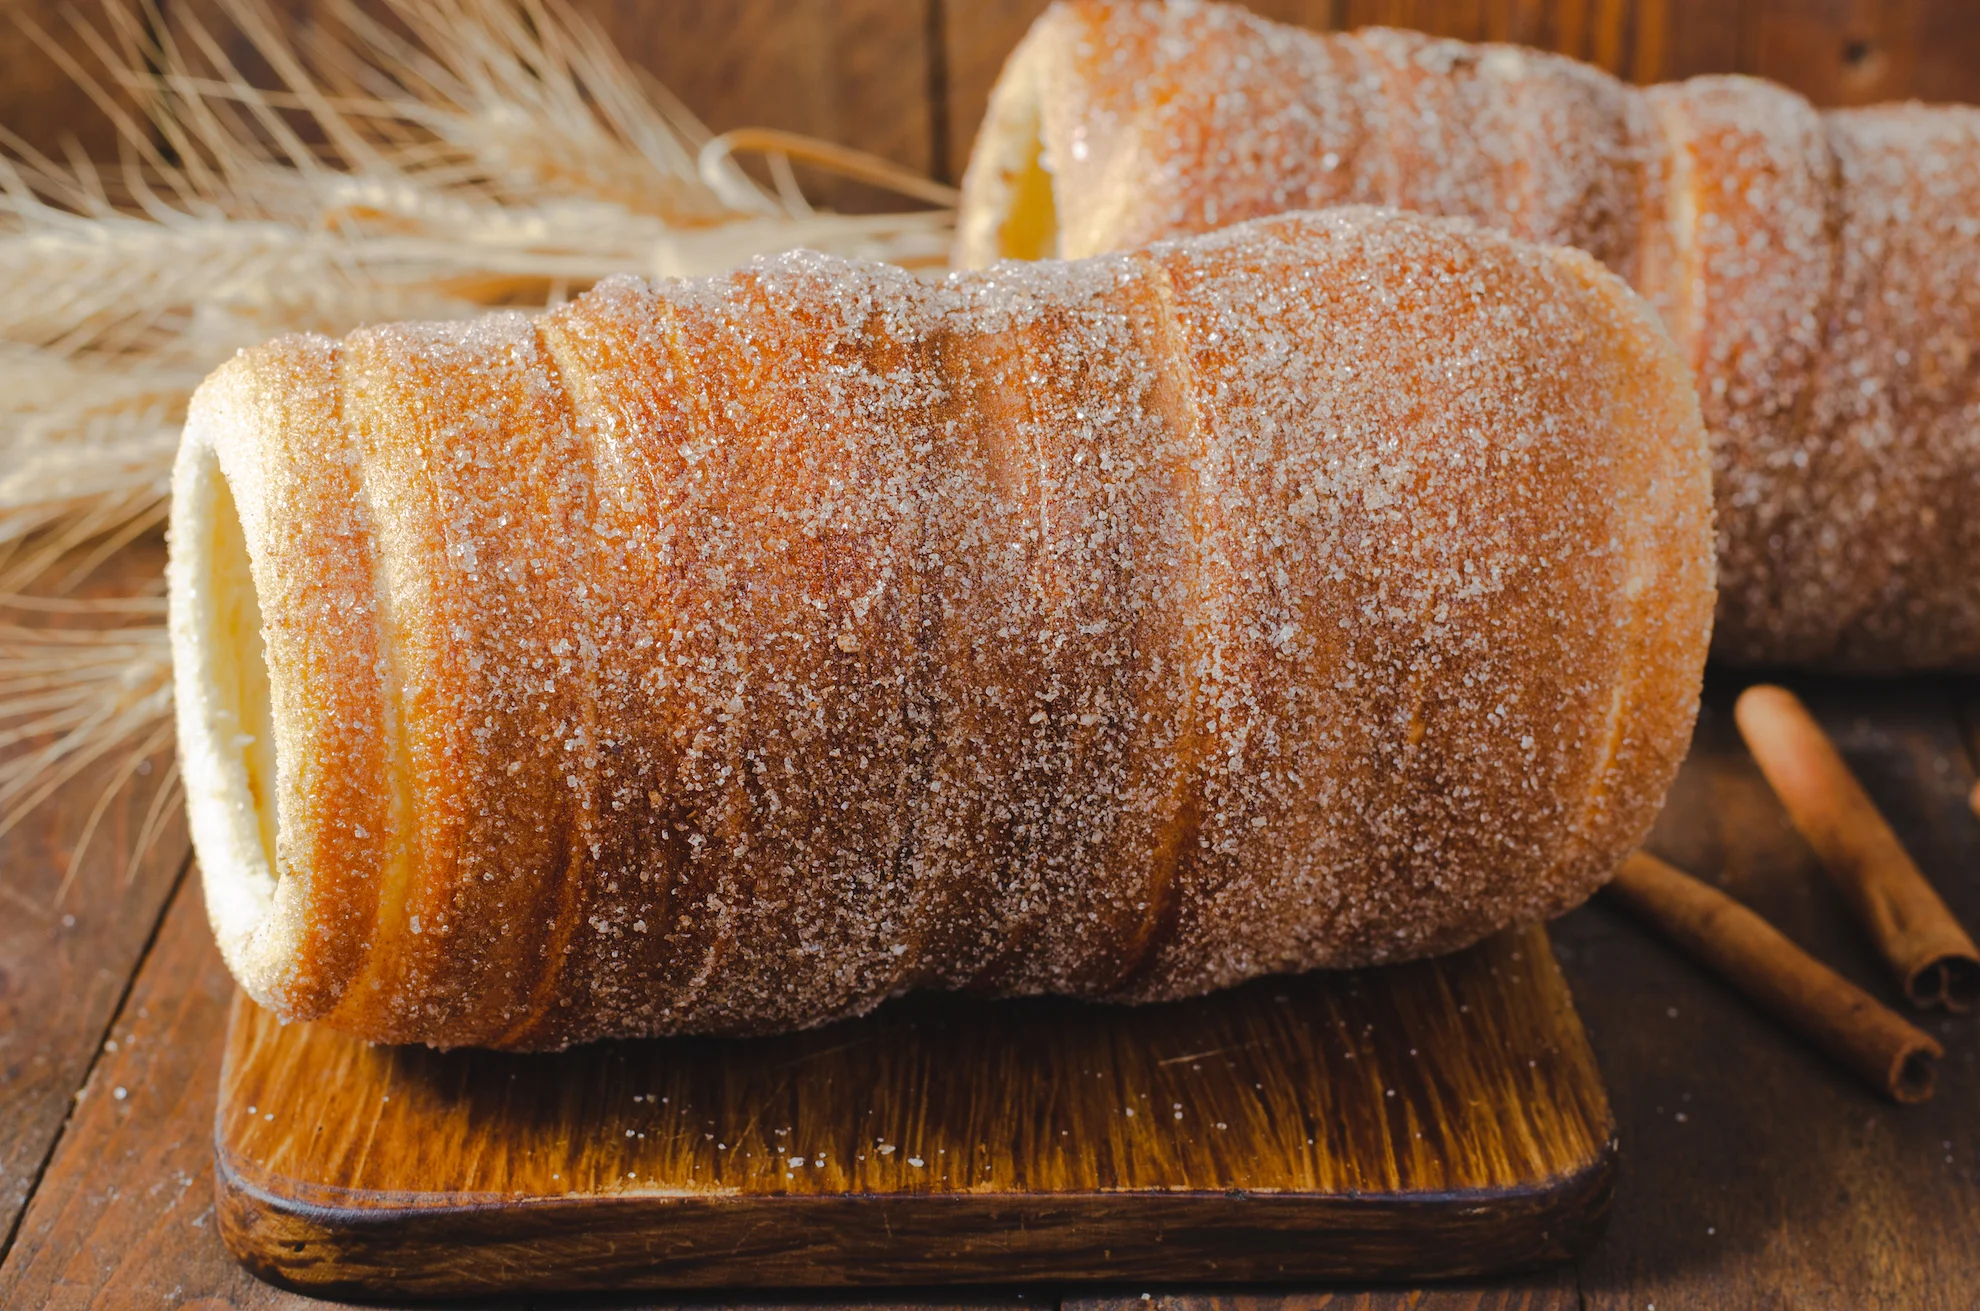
(851, 71)
(1859, 52)
(1434, 1119)
(1836, 52)
(1756, 1174)
(1552, 1290)
(1945, 58)
(124, 1216)
(71, 938)
(40, 103)
(975, 37)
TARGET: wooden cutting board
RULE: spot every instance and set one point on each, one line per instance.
(1434, 1119)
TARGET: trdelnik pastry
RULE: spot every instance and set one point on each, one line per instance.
(730, 655)
(1820, 271)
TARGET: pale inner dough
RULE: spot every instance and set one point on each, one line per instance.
(226, 728)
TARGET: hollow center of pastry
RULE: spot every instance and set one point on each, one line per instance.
(1030, 229)
(238, 668)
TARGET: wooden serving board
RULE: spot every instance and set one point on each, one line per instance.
(1434, 1119)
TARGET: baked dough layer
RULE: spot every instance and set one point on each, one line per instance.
(730, 655)
(1819, 270)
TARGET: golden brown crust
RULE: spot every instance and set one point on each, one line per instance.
(1751, 181)
(273, 453)
(481, 497)
(735, 654)
(1158, 121)
(1817, 269)
(1898, 388)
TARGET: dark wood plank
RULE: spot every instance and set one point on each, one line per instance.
(976, 37)
(1836, 52)
(945, 1299)
(851, 71)
(1945, 58)
(39, 101)
(1552, 1290)
(70, 939)
(1860, 52)
(124, 1216)
(1670, 40)
(1440, 1118)
(1755, 1174)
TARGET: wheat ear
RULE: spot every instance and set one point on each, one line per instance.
(449, 156)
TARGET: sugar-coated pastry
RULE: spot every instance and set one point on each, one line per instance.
(729, 655)
(1820, 271)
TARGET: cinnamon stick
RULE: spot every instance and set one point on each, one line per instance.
(1934, 957)
(1836, 1015)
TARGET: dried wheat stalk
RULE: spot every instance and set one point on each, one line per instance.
(450, 157)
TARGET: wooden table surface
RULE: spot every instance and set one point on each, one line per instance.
(1754, 1174)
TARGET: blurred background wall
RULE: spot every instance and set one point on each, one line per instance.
(907, 79)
